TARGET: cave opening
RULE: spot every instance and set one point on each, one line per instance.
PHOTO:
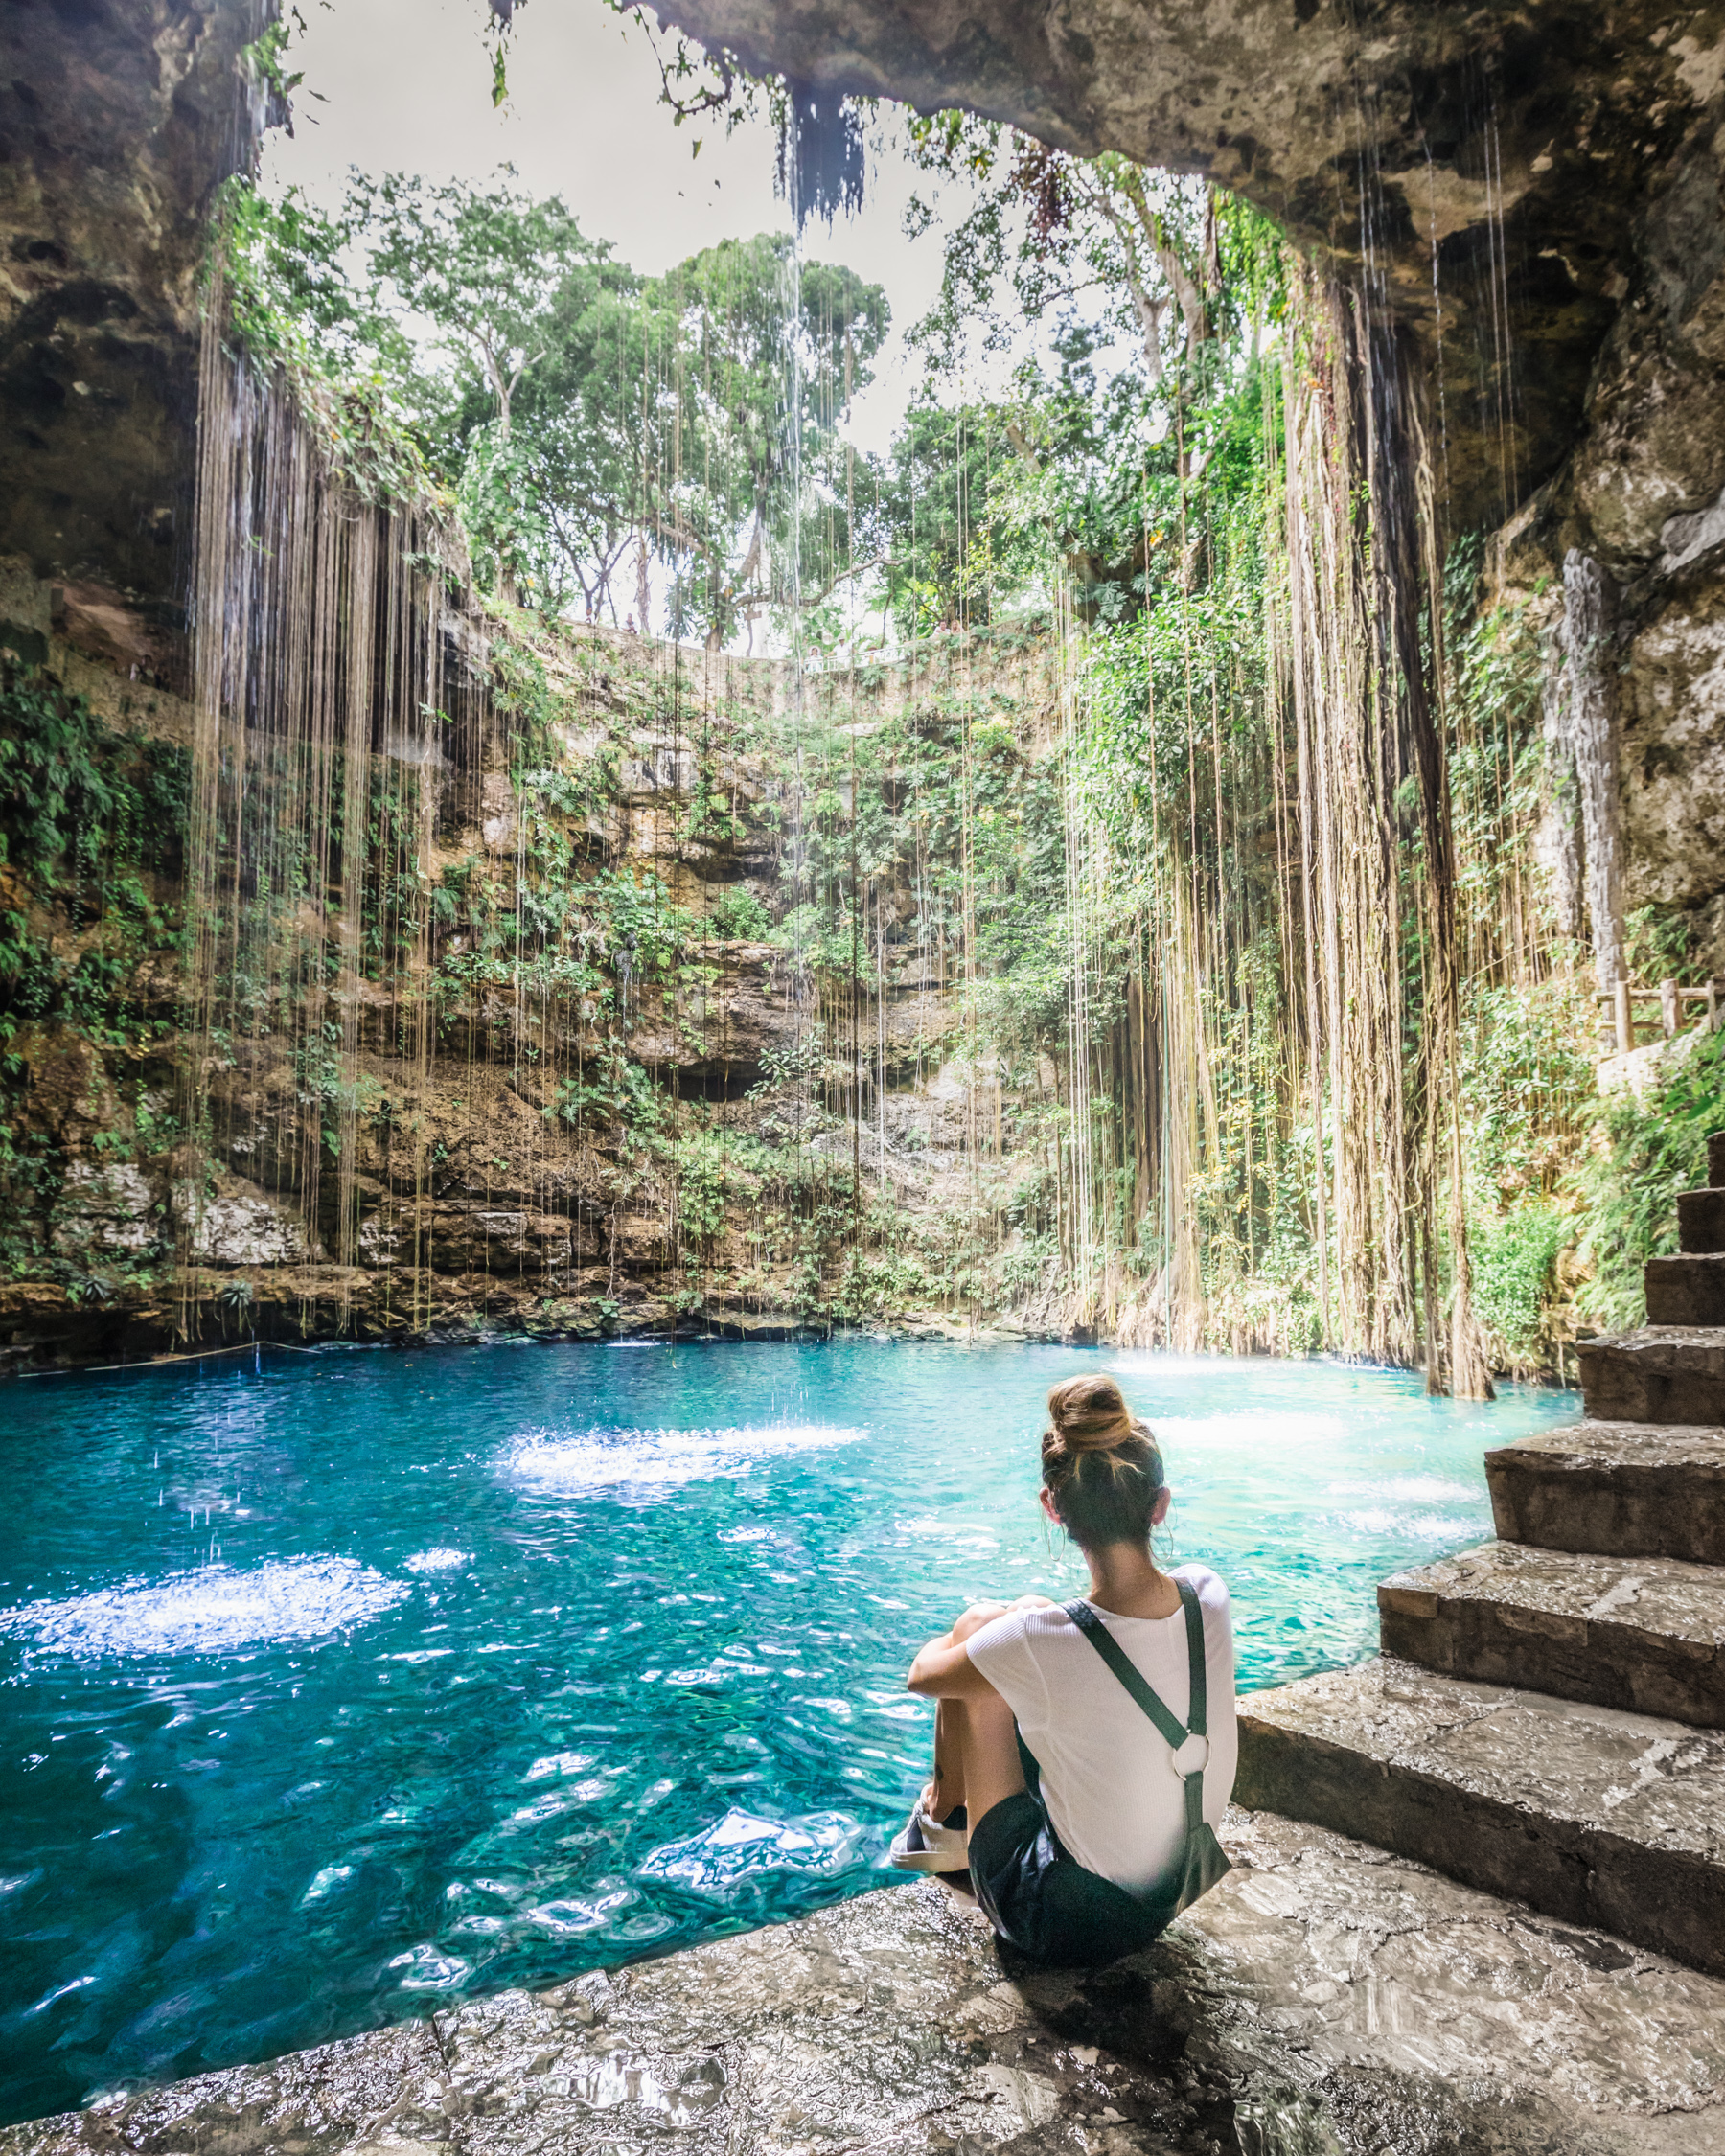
(1115, 665)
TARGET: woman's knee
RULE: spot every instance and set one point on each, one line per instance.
(975, 1618)
(981, 1613)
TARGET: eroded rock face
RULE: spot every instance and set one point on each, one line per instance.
(118, 120)
(1674, 742)
(108, 1211)
(237, 1224)
(1493, 164)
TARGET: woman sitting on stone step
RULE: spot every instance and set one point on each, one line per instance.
(1084, 1754)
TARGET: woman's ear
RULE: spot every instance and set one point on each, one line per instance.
(1159, 1511)
(1047, 1505)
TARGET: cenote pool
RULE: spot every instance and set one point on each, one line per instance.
(340, 1682)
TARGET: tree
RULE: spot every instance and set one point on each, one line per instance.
(959, 520)
(590, 421)
(739, 536)
(1135, 251)
(485, 267)
(667, 414)
(491, 271)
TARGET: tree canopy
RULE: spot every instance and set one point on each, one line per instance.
(592, 423)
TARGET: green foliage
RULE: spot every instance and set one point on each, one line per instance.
(484, 267)
(87, 821)
(263, 63)
(586, 420)
(1514, 1260)
(613, 1091)
(961, 540)
(1527, 1087)
(608, 437)
(716, 1171)
(738, 916)
(1645, 1153)
(1660, 944)
(294, 305)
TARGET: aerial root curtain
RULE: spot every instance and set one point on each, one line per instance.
(1349, 785)
(1380, 979)
(335, 713)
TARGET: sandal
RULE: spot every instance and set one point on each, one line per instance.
(928, 1845)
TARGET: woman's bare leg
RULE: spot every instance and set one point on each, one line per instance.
(976, 1741)
(946, 1789)
(986, 1736)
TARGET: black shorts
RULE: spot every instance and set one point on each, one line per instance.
(1044, 1902)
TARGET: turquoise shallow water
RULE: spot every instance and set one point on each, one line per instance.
(337, 1684)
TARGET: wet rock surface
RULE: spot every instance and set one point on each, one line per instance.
(1324, 1998)
(1590, 1813)
(1643, 1633)
(1627, 1489)
(1662, 1373)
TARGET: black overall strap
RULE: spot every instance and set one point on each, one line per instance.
(1198, 1713)
(1126, 1670)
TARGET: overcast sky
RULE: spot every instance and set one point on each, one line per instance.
(405, 86)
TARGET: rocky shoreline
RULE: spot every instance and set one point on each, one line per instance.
(1325, 2000)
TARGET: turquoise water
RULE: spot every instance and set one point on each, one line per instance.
(334, 1685)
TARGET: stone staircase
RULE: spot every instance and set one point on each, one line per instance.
(1547, 1720)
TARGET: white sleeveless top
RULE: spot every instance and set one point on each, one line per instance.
(1108, 1779)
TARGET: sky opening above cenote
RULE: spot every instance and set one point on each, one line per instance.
(404, 85)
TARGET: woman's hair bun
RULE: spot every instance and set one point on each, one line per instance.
(1089, 1415)
(1102, 1467)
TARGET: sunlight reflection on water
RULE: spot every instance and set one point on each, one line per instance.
(214, 1610)
(659, 1459)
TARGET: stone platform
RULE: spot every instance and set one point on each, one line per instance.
(1661, 1373)
(1325, 2000)
(1590, 1813)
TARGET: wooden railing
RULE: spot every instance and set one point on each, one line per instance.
(1672, 1000)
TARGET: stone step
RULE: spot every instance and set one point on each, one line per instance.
(1662, 1373)
(1589, 1815)
(1621, 1490)
(1687, 1290)
(1643, 1633)
(1701, 1220)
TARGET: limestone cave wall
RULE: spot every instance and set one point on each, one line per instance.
(669, 1110)
(119, 120)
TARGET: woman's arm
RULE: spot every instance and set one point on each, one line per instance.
(943, 1670)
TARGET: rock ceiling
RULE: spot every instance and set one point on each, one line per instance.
(1491, 165)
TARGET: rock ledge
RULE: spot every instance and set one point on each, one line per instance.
(1325, 1999)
